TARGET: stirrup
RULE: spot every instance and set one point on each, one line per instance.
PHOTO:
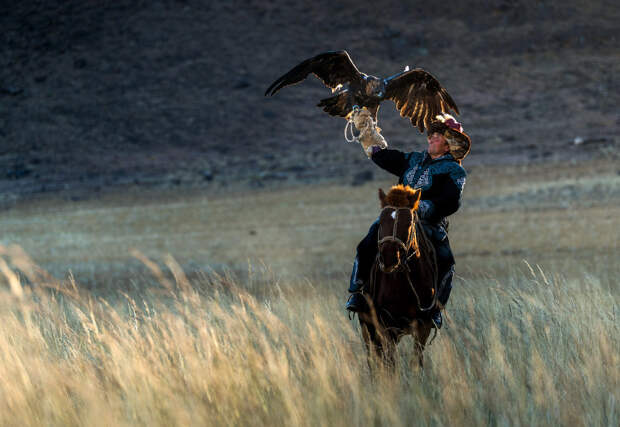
(356, 302)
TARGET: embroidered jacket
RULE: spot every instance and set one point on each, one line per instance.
(441, 180)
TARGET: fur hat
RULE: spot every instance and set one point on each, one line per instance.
(457, 139)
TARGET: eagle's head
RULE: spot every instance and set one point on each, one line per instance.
(375, 87)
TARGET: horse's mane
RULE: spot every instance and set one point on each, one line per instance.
(399, 196)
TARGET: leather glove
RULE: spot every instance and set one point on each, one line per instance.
(369, 132)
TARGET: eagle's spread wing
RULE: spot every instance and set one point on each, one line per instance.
(419, 96)
(333, 68)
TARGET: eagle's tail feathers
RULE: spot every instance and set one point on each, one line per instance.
(336, 105)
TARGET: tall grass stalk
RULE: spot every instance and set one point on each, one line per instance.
(537, 349)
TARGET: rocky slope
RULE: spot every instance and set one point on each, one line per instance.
(99, 94)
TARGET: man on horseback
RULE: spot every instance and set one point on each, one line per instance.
(438, 173)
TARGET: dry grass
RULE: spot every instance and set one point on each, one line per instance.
(149, 341)
(533, 351)
(562, 218)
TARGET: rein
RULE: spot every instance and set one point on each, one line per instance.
(431, 250)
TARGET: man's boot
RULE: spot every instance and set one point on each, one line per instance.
(445, 287)
(365, 254)
(357, 301)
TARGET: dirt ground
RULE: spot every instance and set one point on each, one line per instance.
(100, 97)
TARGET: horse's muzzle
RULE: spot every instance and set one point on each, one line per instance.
(396, 258)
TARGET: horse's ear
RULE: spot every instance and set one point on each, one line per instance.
(382, 197)
(414, 199)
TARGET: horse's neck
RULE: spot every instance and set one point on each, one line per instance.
(393, 294)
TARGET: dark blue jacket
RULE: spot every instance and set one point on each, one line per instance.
(441, 180)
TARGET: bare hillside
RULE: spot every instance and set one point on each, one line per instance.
(94, 94)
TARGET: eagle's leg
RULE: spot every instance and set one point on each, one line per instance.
(374, 109)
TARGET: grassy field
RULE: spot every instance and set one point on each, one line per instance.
(226, 309)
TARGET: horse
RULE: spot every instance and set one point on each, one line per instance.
(403, 279)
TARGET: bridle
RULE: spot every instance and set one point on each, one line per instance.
(393, 238)
(404, 246)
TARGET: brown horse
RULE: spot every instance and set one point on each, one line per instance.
(402, 290)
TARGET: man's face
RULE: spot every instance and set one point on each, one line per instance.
(437, 145)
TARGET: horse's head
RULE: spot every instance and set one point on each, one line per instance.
(397, 238)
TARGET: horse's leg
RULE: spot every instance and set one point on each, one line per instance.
(420, 331)
(389, 351)
(371, 341)
(380, 346)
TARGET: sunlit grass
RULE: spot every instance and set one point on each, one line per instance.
(248, 328)
(537, 349)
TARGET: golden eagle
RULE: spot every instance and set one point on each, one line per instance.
(416, 93)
